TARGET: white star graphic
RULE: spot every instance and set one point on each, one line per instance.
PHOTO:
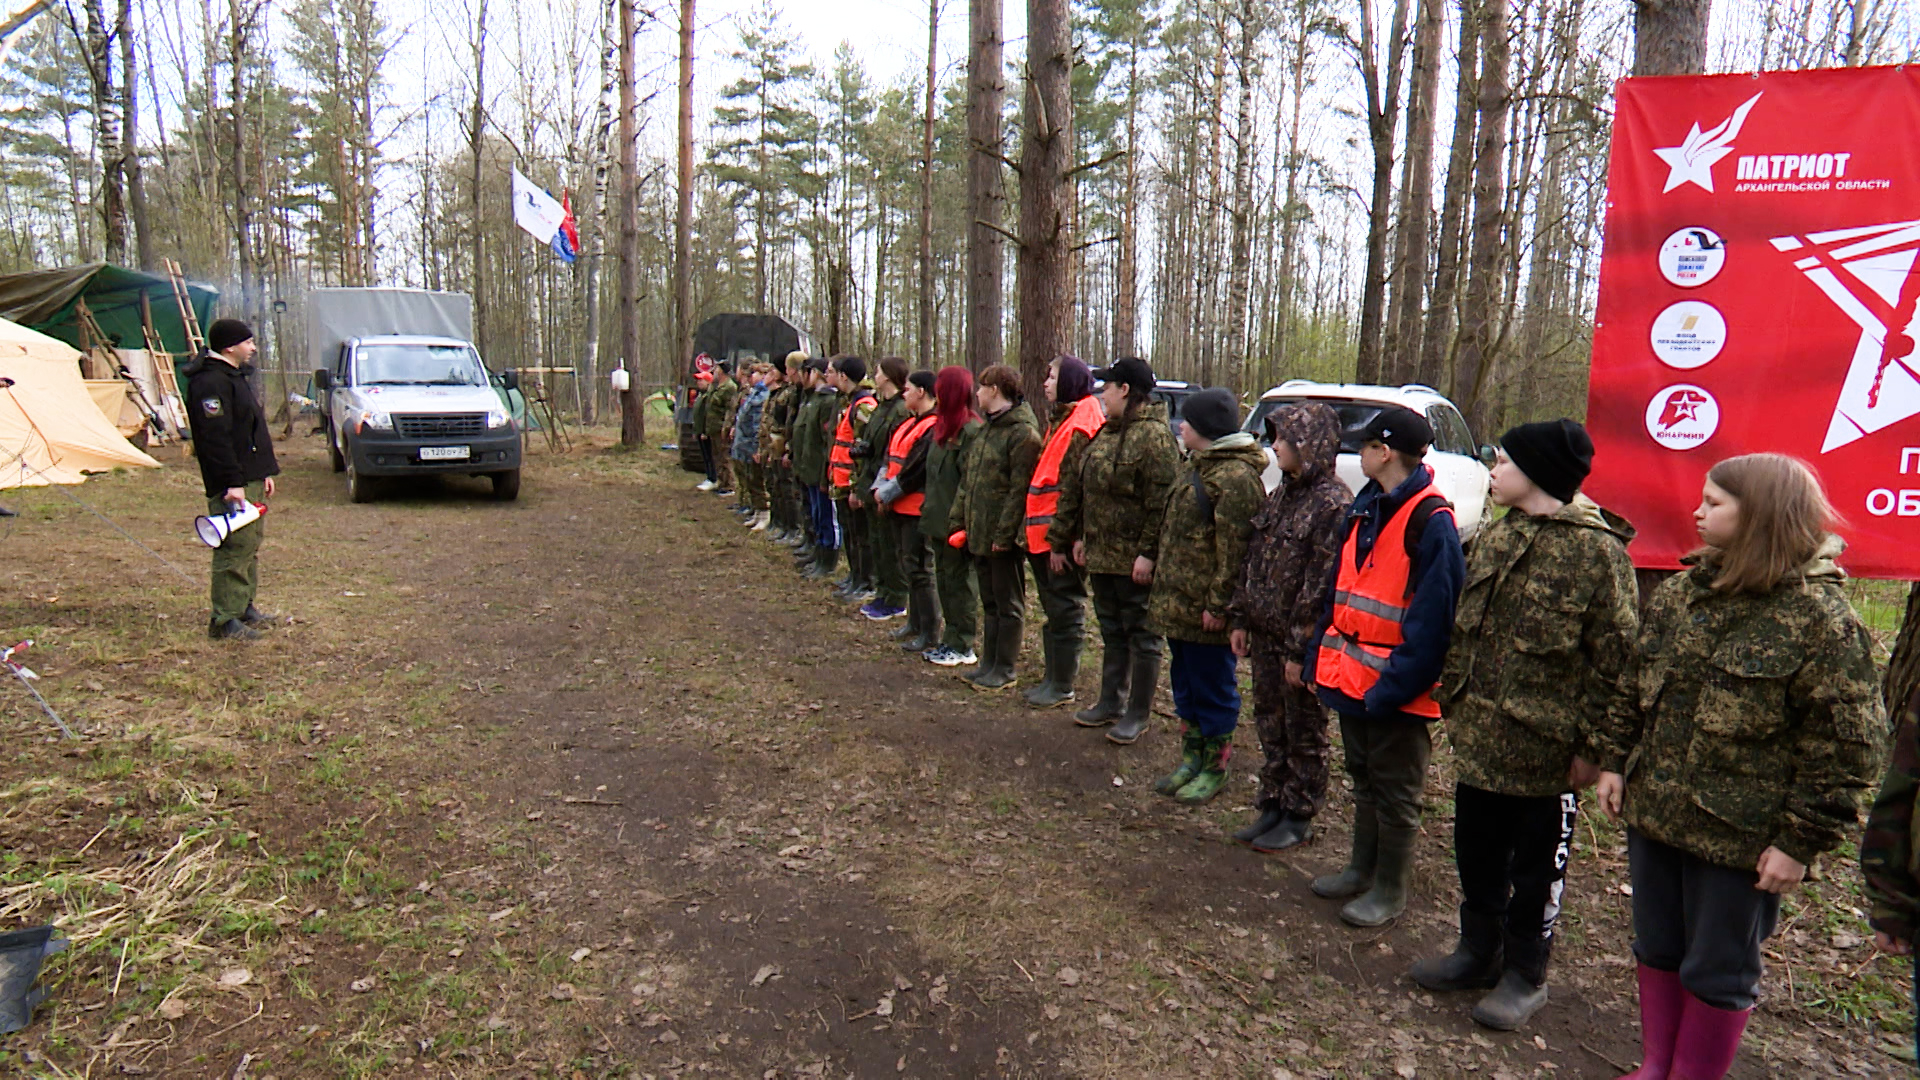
(1692, 161)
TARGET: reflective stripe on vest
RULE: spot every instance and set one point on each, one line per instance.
(904, 436)
(840, 461)
(1370, 603)
(1043, 491)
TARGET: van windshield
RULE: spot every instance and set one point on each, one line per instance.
(419, 365)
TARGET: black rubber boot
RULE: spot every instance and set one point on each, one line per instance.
(1522, 989)
(1113, 687)
(1291, 831)
(1143, 678)
(1063, 667)
(1392, 873)
(989, 654)
(1357, 877)
(1006, 650)
(1475, 962)
(232, 630)
(826, 562)
(1267, 819)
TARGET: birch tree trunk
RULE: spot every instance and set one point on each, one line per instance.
(1239, 269)
(476, 146)
(633, 420)
(1126, 311)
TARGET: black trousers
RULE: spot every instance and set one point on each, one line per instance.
(1700, 919)
(1063, 600)
(853, 526)
(1121, 608)
(706, 458)
(1512, 853)
(1003, 586)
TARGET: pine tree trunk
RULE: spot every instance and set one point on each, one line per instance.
(1126, 301)
(1409, 279)
(1383, 119)
(476, 146)
(1436, 338)
(1670, 36)
(986, 254)
(1473, 367)
(1043, 261)
(925, 338)
(683, 203)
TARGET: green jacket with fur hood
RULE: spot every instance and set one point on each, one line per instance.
(1542, 642)
(1202, 543)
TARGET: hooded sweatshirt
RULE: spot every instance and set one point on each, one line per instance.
(1296, 535)
(1541, 645)
(1757, 718)
(1204, 541)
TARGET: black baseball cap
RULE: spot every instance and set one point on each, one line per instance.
(1128, 371)
(1400, 428)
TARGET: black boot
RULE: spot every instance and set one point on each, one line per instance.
(1291, 830)
(1475, 962)
(1392, 874)
(1113, 687)
(1522, 989)
(232, 630)
(1357, 876)
(1268, 818)
(256, 618)
(1063, 667)
(826, 562)
(1006, 650)
(989, 652)
(1143, 679)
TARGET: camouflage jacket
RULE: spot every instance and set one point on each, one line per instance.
(944, 465)
(812, 436)
(722, 399)
(1889, 858)
(992, 503)
(1201, 552)
(1542, 642)
(776, 422)
(1757, 718)
(878, 430)
(1114, 496)
(1296, 535)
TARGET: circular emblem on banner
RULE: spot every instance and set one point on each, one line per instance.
(1688, 334)
(1692, 257)
(1682, 416)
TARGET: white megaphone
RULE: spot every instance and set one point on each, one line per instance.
(214, 530)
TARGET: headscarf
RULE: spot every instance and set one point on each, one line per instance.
(1074, 382)
(953, 397)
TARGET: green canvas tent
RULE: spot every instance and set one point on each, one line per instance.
(120, 299)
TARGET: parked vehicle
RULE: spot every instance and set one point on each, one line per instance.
(738, 338)
(1173, 393)
(1461, 467)
(403, 391)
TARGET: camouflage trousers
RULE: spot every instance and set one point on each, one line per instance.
(1293, 734)
(753, 483)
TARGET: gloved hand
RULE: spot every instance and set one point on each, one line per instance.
(958, 540)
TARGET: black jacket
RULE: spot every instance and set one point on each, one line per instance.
(229, 427)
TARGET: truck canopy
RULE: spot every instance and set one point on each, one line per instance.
(335, 316)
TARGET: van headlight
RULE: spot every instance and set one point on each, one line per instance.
(499, 418)
(372, 420)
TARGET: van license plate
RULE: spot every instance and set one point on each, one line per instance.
(445, 453)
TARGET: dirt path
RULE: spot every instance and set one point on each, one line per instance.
(651, 805)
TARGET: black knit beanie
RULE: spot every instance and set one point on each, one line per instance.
(224, 334)
(1556, 455)
(1212, 412)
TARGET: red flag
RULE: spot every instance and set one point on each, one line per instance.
(567, 224)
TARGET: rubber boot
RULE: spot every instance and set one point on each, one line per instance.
(1036, 695)
(1709, 1039)
(1522, 989)
(1063, 667)
(1475, 962)
(1357, 876)
(1393, 870)
(1191, 745)
(1292, 831)
(1006, 649)
(1143, 679)
(989, 652)
(1662, 1002)
(1212, 777)
(826, 562)
(1113, 685)
(1266, 819)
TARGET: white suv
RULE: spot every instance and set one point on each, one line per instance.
(1460, 466)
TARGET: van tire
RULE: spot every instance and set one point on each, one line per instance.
(506, 485)
(359, 488)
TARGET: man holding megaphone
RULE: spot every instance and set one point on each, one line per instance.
(237, 467)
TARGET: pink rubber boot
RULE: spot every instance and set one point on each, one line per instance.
(1709, 1038)
(1662, 1001)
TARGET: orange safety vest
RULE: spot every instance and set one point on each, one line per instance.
(840, 461)
(1043, 491)
(1369, 607)
(904, 436)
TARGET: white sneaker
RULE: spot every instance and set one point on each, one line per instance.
(704, 485)
(760, 522)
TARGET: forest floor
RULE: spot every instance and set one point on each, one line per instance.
(591, 785)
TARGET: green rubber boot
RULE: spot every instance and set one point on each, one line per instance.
(1212, 776)
(1189, 767)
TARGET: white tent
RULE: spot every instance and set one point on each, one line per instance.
(51, 432)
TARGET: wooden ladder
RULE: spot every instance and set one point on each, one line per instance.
(196, 342)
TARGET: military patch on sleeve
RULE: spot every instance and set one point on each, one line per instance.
(210, 406)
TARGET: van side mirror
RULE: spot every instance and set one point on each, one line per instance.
(1487, 457)
(323, 378)
(510, 379)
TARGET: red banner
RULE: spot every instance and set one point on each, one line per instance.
(1759, 290)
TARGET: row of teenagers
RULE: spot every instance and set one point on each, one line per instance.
(1734, 723)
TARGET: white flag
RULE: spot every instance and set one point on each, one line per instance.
(534, 210)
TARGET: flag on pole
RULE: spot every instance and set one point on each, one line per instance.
(566, 242)
(542, 216)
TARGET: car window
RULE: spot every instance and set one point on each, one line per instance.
(428, 365)
(1354, 418)
(1450, 433)
(1171, 399)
